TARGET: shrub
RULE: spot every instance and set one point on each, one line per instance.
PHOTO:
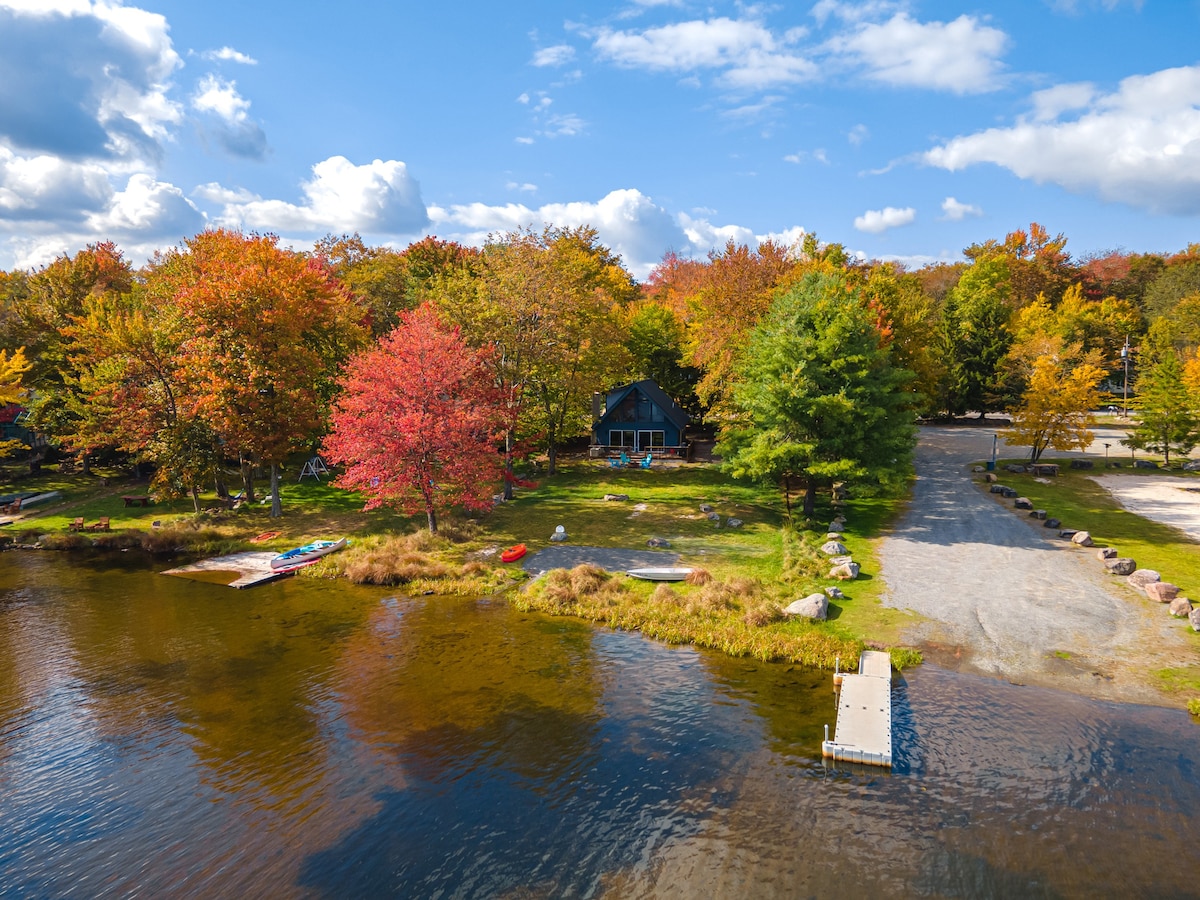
(698, 577)
(1193, 706)
(665, 594)
(760, 613)
(53, 541)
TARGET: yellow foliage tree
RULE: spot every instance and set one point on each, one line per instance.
(1055, 410)
(12, 369)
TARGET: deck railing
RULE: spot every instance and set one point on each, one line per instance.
(611, 451)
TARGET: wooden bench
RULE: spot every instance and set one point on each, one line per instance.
(137, 501)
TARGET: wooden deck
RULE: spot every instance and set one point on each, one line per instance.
(863, 733)
(238, 570)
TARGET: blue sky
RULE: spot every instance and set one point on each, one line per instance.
(902, 130)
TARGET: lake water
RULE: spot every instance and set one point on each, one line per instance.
(161, 737)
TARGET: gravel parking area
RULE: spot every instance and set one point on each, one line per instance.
(1000, 595)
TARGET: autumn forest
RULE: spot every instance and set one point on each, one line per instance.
(429, 373)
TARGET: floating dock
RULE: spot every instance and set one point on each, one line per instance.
(238, 570)
(863, 733)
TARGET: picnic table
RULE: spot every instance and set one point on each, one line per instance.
(137, 501)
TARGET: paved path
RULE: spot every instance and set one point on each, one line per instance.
(1003, 596)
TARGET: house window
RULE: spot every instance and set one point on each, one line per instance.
(650, 440)
(621, 438)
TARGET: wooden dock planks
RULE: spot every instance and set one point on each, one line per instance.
(238, 570)
(863, 732)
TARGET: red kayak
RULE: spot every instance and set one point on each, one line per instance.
(512, 554)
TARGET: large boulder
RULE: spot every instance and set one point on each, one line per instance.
(845, 572)
(1192, 465)
(1162, 591)
(1139, 578)
(1181, 608)
(990, 477)
(834, 548)
(1052, 523)
(1023, 503)
(1194, 618)
(1145, 464)
(840, 560)
(1106, 553)
(996, 489)
(814, 606)
(1120, 565)
(1082, 538)
(1082, 464)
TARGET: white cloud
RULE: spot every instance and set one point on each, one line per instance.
(745, 53)
(960, 56)
(851, 12)
(877, 221)
(1053, 102)
(377, 198)
(558, 55)
(525, 187)
(956, 212)
(235, 130)
(803, 156)
(48, 190)
(110, 102)
(627, 221)
(147, 208)
(1139, 145)
(858, 134)
(228, 54)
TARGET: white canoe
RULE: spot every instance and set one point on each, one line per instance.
(660, 573)
(307, 554)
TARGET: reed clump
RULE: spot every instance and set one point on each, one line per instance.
(737, 616)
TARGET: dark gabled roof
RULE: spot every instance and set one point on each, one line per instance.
(672, 410)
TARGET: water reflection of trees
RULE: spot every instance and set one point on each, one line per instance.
(447, 683)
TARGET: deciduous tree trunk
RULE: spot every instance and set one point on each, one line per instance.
(276, 504)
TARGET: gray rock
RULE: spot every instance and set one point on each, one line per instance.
(661, 543)
(611, 497)
(1181, 608)
(1120, 565)
(834, 593)
(1145, 464)
(1051, 523)
(833, 536)
(1038, 514)
(1082, 538)
(1068, 533)
(1015, 468)
(834, 548)
(845, 572)
(1191, 465)
(814, 606)
(1023, 503)
(1106, 553)
(705, 508)
(1194, 619)
(558, 537)
(1162, 591)
(976, 469)
(1142, 577)
(1082, 464)
(714, 517)
(990, 477)
(997, 489)
(840, 560)
(733, 523)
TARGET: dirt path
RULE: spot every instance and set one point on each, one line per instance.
(1002, 596)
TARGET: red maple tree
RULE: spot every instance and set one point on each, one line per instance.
(418, 421)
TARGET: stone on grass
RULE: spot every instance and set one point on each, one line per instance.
(612, 497)
(1142, 577)
(1038, 514)
(976, 469)
(1181, 608)
(814, 606)
(705, 508)
(840, 560)
(733, 523)
(714, 517)
(558, 537)
(1162, 591)
(996, 489)
(834, 548)
(1082, 538)
(658, 542)
(1191, 465)
(1106, 553)
(1145, 464)
(834, 593)
(990, 477)
(1051, 523)
(1194, 619)
(833, 536)
(1082, 464)
(1120, 565)
(1015, 468)
(845, 572)
(1023, 503)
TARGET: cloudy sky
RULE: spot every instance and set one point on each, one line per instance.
(900, 129)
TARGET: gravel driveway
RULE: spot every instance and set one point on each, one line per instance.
(1002, 596)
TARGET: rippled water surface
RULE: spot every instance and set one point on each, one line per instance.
(160, 737)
